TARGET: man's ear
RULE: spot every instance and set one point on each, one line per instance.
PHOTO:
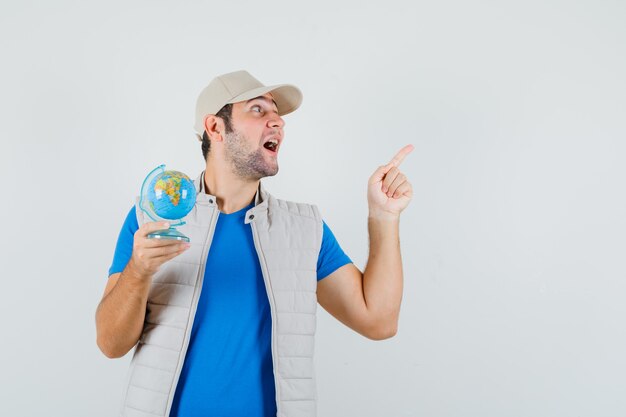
(214, 126)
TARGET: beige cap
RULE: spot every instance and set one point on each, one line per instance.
(240, 86)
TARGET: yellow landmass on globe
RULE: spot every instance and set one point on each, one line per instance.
(171, 187)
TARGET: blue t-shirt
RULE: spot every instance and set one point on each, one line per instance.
(228, 368)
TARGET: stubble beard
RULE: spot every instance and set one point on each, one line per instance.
(247, 164)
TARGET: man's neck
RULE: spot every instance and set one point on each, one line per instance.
(232, 192)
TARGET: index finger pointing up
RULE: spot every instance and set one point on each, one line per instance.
(400, 155)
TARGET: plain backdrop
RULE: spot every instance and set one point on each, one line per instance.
(513, 245)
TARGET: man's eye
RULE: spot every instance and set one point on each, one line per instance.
(257, 109)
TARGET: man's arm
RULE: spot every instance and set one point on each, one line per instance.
(121, 313)
(369, 302)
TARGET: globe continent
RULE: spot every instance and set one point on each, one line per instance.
(171, 195)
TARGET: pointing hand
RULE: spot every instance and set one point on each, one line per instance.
(388, 190)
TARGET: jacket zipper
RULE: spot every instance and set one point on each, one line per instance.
(270, 296)
(194, 306)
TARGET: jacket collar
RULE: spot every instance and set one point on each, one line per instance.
(260, 197)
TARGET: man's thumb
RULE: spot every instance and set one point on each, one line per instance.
(379, 174)
(150, 227)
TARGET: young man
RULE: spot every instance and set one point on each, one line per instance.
(224, 325)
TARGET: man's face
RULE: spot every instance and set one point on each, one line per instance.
(256, 124)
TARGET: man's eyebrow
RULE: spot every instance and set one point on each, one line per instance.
(267, 100)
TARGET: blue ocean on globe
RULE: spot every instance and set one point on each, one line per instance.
(171, 195)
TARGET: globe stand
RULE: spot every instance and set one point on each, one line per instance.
(168, 234)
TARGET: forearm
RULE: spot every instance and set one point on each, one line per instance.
(382, 278)
(120, 315)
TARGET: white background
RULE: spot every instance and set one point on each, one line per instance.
(513, 245)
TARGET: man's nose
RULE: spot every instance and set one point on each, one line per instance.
(276, 121)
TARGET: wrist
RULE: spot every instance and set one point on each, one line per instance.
(382, 215)
(135, 272)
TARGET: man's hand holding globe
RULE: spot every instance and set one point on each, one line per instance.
(149, 253)
(165, 196)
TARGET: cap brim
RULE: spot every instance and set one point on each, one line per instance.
(287, 97)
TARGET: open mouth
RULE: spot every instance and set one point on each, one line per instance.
(271, 145)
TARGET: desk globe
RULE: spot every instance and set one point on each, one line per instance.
(167, 196)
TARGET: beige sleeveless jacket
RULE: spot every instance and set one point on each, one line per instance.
(287, 238)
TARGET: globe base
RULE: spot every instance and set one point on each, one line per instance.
(170, 234)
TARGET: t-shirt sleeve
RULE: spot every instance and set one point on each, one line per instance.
(124, 247)
(331, 255)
